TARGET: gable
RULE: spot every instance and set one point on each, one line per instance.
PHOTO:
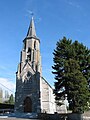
(27, 68)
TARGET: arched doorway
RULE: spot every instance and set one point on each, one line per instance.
(27, 105)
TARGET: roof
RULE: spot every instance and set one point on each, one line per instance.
(31, 31)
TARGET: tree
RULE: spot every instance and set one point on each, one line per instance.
(11, 100)
(82, 55)
(71, 73)
(77, 86)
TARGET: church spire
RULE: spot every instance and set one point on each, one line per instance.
(31, 31)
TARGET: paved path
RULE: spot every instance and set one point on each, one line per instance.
(12, 118)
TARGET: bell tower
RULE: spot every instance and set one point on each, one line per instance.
(28, 74)
(31, 49)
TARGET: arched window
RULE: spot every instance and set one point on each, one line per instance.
(28, 74)
(24, 45)
(35, 45)
(36, 68)
(33, 55)
(29, 54)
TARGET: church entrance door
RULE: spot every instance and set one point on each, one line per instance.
(27, 105)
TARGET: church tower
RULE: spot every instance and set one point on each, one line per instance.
(28, 75)
(33, 93)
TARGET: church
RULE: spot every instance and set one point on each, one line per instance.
(33, 93)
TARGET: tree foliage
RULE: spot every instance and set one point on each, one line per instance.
(72, 73)
(11, 100)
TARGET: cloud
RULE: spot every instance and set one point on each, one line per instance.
(7, 72)
(2, 67)
(74, 4)
(7, 84)
(70, 3)
(78, 30)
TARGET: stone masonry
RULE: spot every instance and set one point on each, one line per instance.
(33, 92)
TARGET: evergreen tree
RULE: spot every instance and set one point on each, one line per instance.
(71, 73)
(11, 99)
(76, 86)
(82, 55)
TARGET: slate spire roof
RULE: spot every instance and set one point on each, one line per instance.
(31, 31)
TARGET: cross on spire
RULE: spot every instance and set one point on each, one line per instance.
(32, 14)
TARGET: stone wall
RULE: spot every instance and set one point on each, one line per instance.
(52, 116)
(48, 99)
(29, 88)
(66, 116)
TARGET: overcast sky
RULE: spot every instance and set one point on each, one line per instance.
(53, 20)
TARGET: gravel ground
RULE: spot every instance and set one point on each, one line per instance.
(16, 119)
(87, 114)
(13, 119)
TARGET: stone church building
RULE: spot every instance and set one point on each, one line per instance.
(33, 92)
